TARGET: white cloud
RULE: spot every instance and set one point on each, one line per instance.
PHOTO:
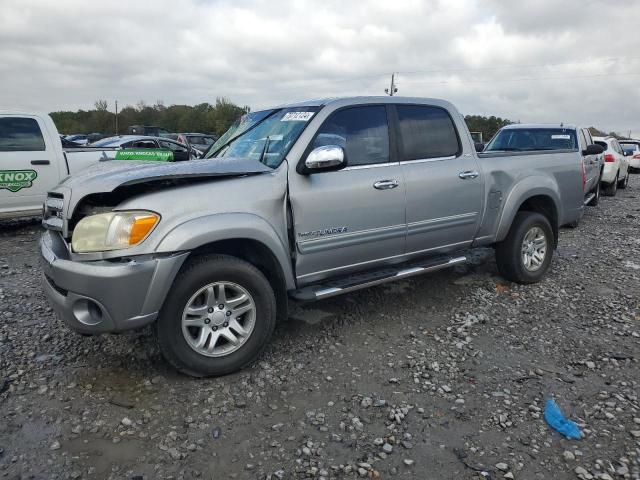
(577, 61)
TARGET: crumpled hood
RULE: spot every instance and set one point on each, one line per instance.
(107, 176)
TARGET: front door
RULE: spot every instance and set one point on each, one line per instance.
(27, 164)
(591, 162)
(444, 185)
(351, 219)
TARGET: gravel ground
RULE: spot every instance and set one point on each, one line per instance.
(444, 376)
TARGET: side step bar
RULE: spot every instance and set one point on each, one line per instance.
(358, 282)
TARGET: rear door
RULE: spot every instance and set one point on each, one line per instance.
(444, 186)
(27, 166)
(350, 219)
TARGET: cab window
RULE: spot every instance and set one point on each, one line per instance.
(19, 134)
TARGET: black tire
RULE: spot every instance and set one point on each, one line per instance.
(611, 189)
(509, 252)
(595, 200)
(196, 274)
(622, 184)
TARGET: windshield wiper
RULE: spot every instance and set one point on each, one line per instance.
(505, 149)
(265, 150)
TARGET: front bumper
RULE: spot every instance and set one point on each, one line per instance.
(105, 296)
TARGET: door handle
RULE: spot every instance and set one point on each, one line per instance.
(468, 174)
(386, 184)
(40, 162)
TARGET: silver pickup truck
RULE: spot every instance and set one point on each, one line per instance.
(295, 203)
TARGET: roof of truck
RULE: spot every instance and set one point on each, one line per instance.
(363, 99)
(568, 126)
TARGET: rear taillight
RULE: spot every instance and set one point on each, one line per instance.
(637, 156)
(609, 157)
(584, 176)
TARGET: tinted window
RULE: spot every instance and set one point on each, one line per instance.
(426, 132)
(20, 135)
(361, 131)
(528, 139)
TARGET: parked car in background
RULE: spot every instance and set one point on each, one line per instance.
(68, 143)
(520, 137)
(80, 138)
(307, 201)
(33, 160)
(148, 130)
(201, 141)
(180, 152)
(632, 147)
(615, 173)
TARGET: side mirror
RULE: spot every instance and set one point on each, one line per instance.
(479, 147)
(324, 159)
(593, 149)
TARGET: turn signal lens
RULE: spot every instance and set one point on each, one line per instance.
(141, 227)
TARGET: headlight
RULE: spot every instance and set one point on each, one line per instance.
(112, 231)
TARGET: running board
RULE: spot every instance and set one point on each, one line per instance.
(589, 198)
(364, 280)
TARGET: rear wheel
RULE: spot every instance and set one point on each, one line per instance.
(625, 181)
(218, 317)
(611, 189)
(525, 254)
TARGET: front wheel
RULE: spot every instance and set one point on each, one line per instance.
(525, 254)
(218, 317)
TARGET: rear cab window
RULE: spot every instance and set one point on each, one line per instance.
(533, 139)
(426, 132)
(21, 134)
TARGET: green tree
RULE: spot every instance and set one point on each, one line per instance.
(487, 125)
(203, 118)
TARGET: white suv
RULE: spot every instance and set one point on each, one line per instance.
(633, 147)
(615, 172)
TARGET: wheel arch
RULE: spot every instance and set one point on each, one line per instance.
(541, 199)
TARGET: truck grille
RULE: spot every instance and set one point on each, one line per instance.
(52, 214)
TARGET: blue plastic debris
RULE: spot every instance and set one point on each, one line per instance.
(559, 422)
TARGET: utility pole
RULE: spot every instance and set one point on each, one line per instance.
(392, 88)
(116, 117)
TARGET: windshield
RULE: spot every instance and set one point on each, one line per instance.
(528, 139)
(265, 136)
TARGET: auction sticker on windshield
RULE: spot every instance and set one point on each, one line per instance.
(297, 116)
(152, 155)
(14, 180)
(561, 137)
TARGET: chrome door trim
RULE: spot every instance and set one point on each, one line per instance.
(433, 224)
(428, 160)
(372, 165)
(349, 239)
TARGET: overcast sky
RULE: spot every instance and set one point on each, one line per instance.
(574, 61)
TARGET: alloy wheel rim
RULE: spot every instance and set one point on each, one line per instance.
(534, 249)
(218, 319)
